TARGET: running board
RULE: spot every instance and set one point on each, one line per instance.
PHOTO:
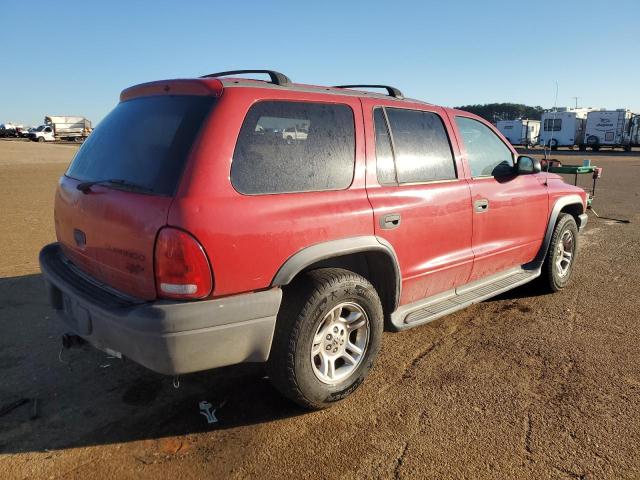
(432, 308)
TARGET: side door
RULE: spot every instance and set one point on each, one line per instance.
(510, 211)
(421, 202)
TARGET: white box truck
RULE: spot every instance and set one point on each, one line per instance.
(608, 129)
(520, 132)
(60, 127)
(563, 127)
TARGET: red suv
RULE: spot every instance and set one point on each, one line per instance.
(194, 231)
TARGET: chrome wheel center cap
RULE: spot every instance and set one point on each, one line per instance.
(335, 335)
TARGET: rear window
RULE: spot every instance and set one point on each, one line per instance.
(143, 141)
(287, 147)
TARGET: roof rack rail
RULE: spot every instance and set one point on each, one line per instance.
(392, 91)
(277, 78)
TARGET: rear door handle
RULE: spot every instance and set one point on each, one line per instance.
(481, 205)
(389, 221)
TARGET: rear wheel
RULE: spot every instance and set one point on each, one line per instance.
(327, 337)
(563, 249)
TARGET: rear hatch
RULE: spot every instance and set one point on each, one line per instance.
(137, 155)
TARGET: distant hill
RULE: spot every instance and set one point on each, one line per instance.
(504, 111)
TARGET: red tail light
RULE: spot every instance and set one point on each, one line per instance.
(182, 268)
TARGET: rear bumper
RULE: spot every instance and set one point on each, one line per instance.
(165, 336)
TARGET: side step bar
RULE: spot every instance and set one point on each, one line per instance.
(432, 308)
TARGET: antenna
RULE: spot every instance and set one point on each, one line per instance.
(553, 126)
(576, 99)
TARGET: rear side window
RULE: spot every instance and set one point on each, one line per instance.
(421, 147)
(144, 141)
(487, 155)
(287, 147)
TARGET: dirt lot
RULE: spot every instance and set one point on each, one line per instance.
(524, 386)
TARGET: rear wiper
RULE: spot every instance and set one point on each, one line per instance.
(85, 187)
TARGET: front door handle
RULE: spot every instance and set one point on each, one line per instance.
(389, 221)
(481, 205)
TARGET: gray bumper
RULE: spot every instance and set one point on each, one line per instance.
(165, 336)
(582, 221)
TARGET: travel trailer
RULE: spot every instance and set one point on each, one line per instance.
(635, 131)
(608, 129)
(520, 132)
(563, 127)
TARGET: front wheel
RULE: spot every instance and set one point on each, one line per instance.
(563, 249)
(40, 139)
(327, 337)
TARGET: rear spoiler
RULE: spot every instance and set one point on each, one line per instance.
(208, 87)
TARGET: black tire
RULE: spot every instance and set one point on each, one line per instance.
(595, 148)
(304, 308)
(582, 147)
(627, 148)
(40, 139)
(552, 278)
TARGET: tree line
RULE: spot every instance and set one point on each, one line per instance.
(504, 111)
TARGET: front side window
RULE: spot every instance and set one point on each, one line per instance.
(385, 166)
(420, 147)
(487, 155)
(287, 147)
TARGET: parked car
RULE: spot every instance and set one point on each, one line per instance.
(291, 134)
(8, 130)
(25, 132)
(196, 241)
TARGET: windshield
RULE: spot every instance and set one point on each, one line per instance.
(143, 141)
(40, 128)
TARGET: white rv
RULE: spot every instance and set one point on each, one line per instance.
(608, 128)
(563, 127)
(635, 131)
(520, 132)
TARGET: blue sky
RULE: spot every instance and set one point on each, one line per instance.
(73, 58)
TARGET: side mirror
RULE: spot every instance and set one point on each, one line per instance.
(527, 165)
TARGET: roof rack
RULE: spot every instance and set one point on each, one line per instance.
(277, 78)
(392, 91)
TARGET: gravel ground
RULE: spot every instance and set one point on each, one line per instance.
(522, 386)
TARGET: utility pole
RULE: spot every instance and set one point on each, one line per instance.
(576, 99)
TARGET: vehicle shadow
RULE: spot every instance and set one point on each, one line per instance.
(528, 290)
(84, 397)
